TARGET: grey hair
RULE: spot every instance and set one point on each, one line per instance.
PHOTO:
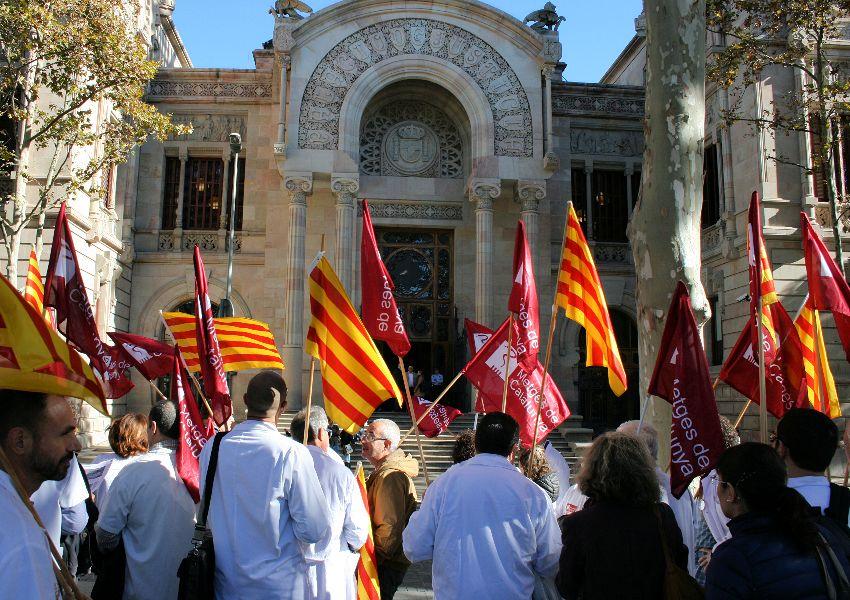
(318, 421)
(647, 433)
(390, 431)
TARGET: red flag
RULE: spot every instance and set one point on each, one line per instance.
(827, 287)
(153, 359)
(193, 433)
(681, 377)
(785, 386)
(212, 369)
(379, 310)
(523, 300)
(486, 371)
(64, 291)
(437, 421)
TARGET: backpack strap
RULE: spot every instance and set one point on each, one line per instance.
(839, 503)
(208, 482)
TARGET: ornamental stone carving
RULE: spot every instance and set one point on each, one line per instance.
(483, 192)
(184, 90)
(345, 187)
(529, 194)
(594, 104)
(348, 60)
(210, 128)
(425, 211)
(299, 186)
(607, 143)
(410, 139)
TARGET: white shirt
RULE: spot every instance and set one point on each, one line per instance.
(558, 463)
(68, 496)
(684, 510)
(25, 560)
(487, 528)
(105, 471)
(149, 506)
(332, 562)
(814, 488)
(266, 498)
(572, 501)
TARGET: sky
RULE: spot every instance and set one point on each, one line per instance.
(223, 34)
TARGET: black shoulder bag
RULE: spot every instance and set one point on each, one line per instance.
(197, 570)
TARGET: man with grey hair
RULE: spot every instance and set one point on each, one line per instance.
(332, 562)
(392, 499)
(684, 508)
(150, 510)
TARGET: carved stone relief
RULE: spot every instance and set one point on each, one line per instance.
(427, 211)
(210, 128)
(163, 88)
(410, 139)
(567, 104)
(608, 143)
(346, 62)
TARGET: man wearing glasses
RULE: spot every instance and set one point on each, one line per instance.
(392, 499)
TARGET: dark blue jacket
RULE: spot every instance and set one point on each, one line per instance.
(760, 562)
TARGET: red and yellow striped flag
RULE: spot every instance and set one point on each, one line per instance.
(34, 290)
(355, 378)
(33, 358)
(581, 296)
(819, 381)
(367, 567)
(245, 343)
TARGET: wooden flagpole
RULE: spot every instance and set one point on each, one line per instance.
(156, 389)
(60, 568)
(430, 408)
(743, 412)
(312, 366)
(413, 418)
(508, 361)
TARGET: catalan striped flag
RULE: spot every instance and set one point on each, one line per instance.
(33, 358)
(819, 381)
(34, 290)
(367, 567)
(245, 343)
(581, 296)
(762, 287)
(355, 378)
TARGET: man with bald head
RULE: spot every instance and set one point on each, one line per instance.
(266, 502)
(38, 436)
(392, 499)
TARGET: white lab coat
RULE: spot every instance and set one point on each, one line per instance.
(66, 498)
(266, 498)
(488, 529)
(149, 506)
(685, 510)
(332, 562)
(25, 560)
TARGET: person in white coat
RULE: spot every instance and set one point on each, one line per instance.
(266, 502)
(332, 563)
(486, 527)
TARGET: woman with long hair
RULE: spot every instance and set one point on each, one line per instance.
(615, 546)
(539, 471)
(777, 550)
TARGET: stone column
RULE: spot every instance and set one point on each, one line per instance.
(630, 170)
(482, 192)
(529, 194)
(280, 144)
(345, 187)
(178, 218)
(299, 186)
(588, 196)
(224, 202)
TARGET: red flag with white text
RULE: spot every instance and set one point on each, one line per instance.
(378, 308)
(828, 288)
(193, 433)
(486, 371)
(153, 359)
(681, 377)
(212, 368)
(437, 421)
(65, 292)
(523, 300)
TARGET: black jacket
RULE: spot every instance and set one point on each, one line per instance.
(614, 552)
(759, 561)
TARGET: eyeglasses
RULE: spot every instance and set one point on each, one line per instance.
(370, 437)
(716, 479)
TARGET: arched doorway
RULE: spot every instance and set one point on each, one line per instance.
(600, 408)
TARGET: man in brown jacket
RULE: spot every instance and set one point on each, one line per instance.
(392, 499)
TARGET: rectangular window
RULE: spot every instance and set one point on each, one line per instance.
(240, 194)
(579, 185)
(610, 205)
(171, 188)
(710, 187)
(715, 333)
(841, 153)
(202, 193)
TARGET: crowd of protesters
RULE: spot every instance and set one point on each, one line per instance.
(288, 520)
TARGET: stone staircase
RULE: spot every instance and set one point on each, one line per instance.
(438, 451)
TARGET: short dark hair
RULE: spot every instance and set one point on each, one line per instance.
(20, 409)
(497, 433)
(464, 447)
(810, 436)
(164, 414)
(259, 397)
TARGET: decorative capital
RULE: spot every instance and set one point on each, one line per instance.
(551, 162)
(280, 150)
(529, 193)
(345, 183)
(166, 8)
(183, 153)
(484, 191)
(299, 186)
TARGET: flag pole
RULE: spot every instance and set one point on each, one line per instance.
(413, 418)
(433, 404)
(508, 361)
(743, 412)
(312, 365)
(156, 389)
(762, 390)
